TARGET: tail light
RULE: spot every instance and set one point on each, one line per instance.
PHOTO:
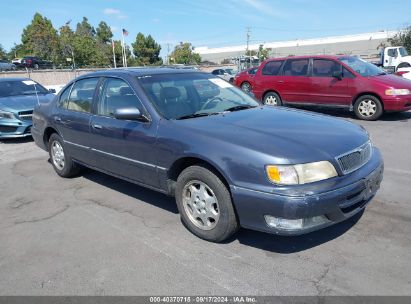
(401, 73)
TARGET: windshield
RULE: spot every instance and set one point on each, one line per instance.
(362, 67)
(230, 71)
(189, 95)
(403, 52)
(20, 87)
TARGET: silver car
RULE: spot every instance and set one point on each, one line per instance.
(7, 66)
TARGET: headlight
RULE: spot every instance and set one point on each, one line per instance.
(300, 174)
(397, 92)
(6, 115)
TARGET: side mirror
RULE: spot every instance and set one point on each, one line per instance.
(338, 75)
(52, 91)
(130, 114)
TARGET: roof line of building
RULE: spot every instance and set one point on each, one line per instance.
(299, 42)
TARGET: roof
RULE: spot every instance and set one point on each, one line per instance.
(333, 57)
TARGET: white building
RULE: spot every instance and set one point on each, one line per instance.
(364, 45)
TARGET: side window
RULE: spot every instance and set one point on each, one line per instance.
(64, 98)
(347, 74)
(325, 68)
(272, 68)
(296, 67)
(392, 52)
(81, 97)
(215, 72)
(117, 94)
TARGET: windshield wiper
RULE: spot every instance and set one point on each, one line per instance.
(195, 115)
(239, 108)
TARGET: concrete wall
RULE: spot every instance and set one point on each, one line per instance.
(48, 77)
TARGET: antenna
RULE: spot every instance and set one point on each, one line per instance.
(247, 53)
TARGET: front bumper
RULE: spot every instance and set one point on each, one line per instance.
(397, 103)
(335, 205)
(15, 129)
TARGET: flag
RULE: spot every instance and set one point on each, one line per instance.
(125, 33)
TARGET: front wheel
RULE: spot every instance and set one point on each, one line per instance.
(60, 159)
(246, 87)
(205, 205)
(368, 107)
(272, 99)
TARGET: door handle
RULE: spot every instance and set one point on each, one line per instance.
(56, 118)
(95, 126)
(280, 81)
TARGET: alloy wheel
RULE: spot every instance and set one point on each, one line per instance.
(57, 155)
(201, 205)
(367, 108)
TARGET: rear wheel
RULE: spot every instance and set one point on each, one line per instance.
(272, 99)
(246, 87)
(368, 107)
(205, 205)
(60, 159)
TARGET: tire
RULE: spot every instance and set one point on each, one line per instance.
(60, 159)
(368, 107)
(212, 202)
(403, 65)
(246, 87)
(272, 99)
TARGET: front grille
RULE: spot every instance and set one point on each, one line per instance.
(7, 129)
(26, 115)
(355, 159)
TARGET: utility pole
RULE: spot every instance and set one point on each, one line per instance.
(248, 31)
(168, 53)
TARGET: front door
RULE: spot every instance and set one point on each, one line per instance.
(123, 147)
(326, 89)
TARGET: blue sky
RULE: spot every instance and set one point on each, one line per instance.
(212, 23)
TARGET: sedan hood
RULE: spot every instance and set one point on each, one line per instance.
(291, 136)
(22, 102)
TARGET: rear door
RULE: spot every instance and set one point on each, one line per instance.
(268, 79)
(72, 118)
(326, 89)
(123, 147)
(295, 81)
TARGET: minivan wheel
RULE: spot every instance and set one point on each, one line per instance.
(60, 159)
(246, 87)
(205, 205)
(272, 99)
(368, 107)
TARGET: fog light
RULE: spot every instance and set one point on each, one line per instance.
(295, 224)
(281, 223)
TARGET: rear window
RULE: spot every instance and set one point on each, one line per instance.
(296, 67)
(271, 68)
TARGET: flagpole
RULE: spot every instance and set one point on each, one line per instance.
(114, 54)
(122, 47)
(124, 50)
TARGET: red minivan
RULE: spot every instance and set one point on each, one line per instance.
(332, 81)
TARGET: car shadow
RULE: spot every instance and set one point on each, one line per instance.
(293, 244)
(18, 140)
(140, 193)
(345, 113)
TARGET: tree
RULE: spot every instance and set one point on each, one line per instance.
(16, 51)
(85, 29)
(40, 38)
(2, 52)
(184, 54)
(403, 38)
(146, 50)
(104, 33)
(263, 53)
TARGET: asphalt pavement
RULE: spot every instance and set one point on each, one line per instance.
(98, 235)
